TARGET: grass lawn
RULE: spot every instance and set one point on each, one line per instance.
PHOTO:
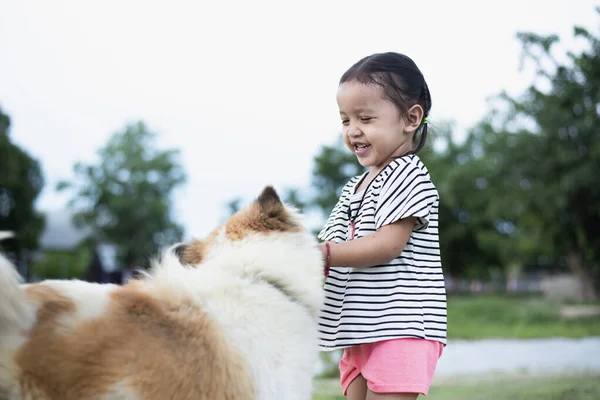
(519, 317)
(524, 387)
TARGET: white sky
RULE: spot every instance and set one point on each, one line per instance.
(245, 89)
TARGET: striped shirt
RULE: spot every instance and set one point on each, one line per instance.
(404, 298)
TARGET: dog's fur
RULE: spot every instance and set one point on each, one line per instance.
(230, 317)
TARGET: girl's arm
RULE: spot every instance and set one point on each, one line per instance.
(378, 248)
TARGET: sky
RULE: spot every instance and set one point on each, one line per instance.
(246, 90)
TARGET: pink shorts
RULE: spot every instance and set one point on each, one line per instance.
(392, 366)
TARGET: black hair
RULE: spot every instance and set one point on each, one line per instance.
(402, 82)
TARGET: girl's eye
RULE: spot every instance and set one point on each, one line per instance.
(366, 119)
(345, 122)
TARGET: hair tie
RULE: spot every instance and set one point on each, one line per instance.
(426, 120)
(328, 259)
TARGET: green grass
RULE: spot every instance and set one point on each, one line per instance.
(523, 387)
(489, 316)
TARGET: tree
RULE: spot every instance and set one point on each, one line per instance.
(125, 198)
(547, 154)
(461, 175)
(21, 182)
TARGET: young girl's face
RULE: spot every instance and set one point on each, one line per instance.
(373, 127)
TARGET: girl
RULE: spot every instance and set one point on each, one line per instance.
(385, 300)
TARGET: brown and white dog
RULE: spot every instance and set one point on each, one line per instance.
(230, 317)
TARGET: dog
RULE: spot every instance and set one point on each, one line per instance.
(233, 316)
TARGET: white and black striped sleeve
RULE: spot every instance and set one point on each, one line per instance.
(406, 192)
(336, 224)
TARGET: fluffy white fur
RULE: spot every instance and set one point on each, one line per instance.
(276, 335)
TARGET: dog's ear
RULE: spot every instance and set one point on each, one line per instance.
(269, 202)
(190, 253)
(179, 250)
(265, 214)
(272, 214)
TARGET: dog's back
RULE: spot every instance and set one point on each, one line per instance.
(131, 345)
(73, 340)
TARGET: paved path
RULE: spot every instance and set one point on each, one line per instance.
(534, 356)
(554, 355)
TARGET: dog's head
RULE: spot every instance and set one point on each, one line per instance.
(265, 241)
(266, 216)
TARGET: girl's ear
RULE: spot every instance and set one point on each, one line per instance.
(414, 118)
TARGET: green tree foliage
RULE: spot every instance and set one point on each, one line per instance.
(547, 155)
(464, 217)
(21, 182)
(125, 199)
(63, 264)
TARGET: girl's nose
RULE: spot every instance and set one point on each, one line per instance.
(354, 131)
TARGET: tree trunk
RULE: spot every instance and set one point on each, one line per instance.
(583, 276)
